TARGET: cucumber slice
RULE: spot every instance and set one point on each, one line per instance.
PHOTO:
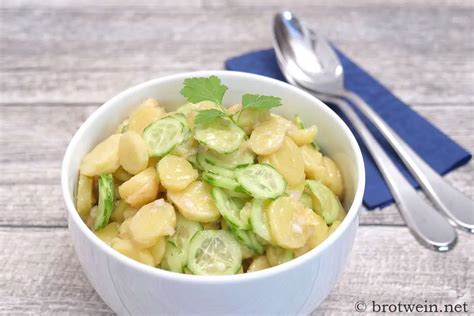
(221, 181)
(298, 122)
(259, 220)
(306, 200)
(106, 201)
(201, 159)
(326, 201)
(164, 135)
(247, 238)
(180, 117)
(247, 252)
(228, 207)
(240, 158)
(184, 231)
(236, 194)
(261, 181)
(245, 215)
(174, 259)
(214, 252)
(221, 135)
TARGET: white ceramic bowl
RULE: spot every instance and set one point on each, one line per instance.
(296, 287)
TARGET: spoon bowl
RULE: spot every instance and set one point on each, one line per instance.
(308, 56)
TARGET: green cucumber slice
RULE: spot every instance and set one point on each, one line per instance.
(247, 252)
(214, 252)
(184, 231)
(174, 259)
(221, 181)
(164, 135)
(247, 238)
(228, 207)
(221, 135)
(328, 202)
(201, 159)
(245, 215)
(240, 158)
(237, 194)
(306, 200)
(259, 220)
(298, 122)
(261, 181)
(106, 201)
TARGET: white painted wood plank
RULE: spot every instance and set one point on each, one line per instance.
(88, 54)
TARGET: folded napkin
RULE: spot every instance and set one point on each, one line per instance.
(437, 149)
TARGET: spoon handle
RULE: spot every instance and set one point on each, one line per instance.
(455, 205)
(428, 226)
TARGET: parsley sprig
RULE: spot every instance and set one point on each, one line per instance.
(200, 89)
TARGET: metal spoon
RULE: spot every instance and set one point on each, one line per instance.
(427, 225)
(312, 62)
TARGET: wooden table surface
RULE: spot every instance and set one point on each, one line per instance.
(59, 60)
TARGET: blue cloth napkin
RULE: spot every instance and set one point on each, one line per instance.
(437, 149)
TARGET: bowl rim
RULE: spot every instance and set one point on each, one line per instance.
(73, 215)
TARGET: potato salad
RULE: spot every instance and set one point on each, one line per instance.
(209, 189)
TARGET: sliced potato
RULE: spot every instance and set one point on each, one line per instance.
(291, 223)
(176, 173)
(188, 148)
(276, 255)
(133, 152)
(158, 250)
(117, 214)
(195, 202)
(124, 229)
(319, 167)
(141, 188)
(190, 110)
(146, 113)
(152, 221)
(267, 137)
(296, 191)
(91, 218)
(108, 233)
(129, 212)
(333, 227)
(320, 233)
(288, 161)
(250, 118)
(104, 158)
(259, 263)
(303, 136)
(129, 249)
(84, 195)
(121, 175)
(122, 127)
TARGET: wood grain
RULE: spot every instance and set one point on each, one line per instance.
(40, 273)
(88, 54)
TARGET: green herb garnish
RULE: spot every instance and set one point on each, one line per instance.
(200, 89)
(254, 101)
(206, 116)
